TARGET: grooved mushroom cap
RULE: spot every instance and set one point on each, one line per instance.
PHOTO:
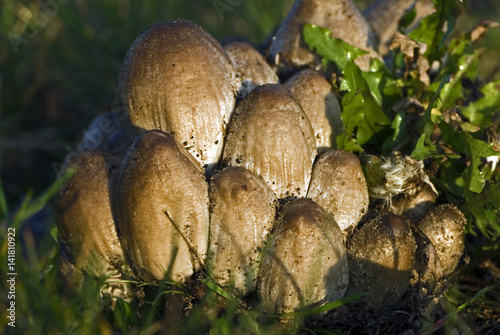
(162, 208)
(381, 257)
(306, 264)
(83, 213)
(316, 97)
(270, 135)
(342, 17)
(250, 66)
(444, 227)
(242, 213)
(338, 184)
(178, 79)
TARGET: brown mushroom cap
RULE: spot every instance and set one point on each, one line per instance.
(416, 206)
(338, 184)
(316, 97)
(270, 135)
(242, 213)
(162, 208)
(250, 65)
(83, 213)
(444, 227)
(342, 17)
(381, 256)
(306, 264)
(178, 79)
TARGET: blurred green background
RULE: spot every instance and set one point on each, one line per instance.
(59, 60)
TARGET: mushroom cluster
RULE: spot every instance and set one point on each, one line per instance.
(209, 163)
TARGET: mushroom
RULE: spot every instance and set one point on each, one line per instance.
(338, 184)
(288, 49)
(162, 208)
(178, 79)
(83, 215)
(242, 213)
(270, 135)
(250, 65)
(106, 133)
(306, 264)
(445, 228)
(381, 257)
(316, 97)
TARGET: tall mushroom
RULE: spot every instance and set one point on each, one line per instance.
(162, 208)
(242, 213)
(178, 79)
(270, 135)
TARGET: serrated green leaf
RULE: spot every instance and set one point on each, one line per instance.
(484, 207)
(385, 89)
(331, 49)
(363, 118)
(430, 30)
(475, 149)
(481, 111)
(422, 151)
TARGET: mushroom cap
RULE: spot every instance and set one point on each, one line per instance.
(250, 65)
(83, 214)
(242, 213)
(106, 133)
(162, 208)
(178, 79)
(306, 263)
(342, 17)
(445, 228)
(416, 206)
(381, 257)
(270, 135)
(338, 184)
(316, 97)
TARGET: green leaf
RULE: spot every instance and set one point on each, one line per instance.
(217, 289)
(484, 207)
(426, 125)
(423, 151)
(430, 30)
(331, 49)
(398, 126)
(364, 121)
(481, 111)
(475, 149)
(385, 89)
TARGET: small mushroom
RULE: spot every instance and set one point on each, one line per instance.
(178, 79)
(242, 213)
(83, 215)
(338, 184)
(162, 208)
(316, 97)
(416, 206)
(444, 227)
(306, 264)
(106, 133)
(342, 17)
(270, 135)
(250, 65)
(381, 257)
